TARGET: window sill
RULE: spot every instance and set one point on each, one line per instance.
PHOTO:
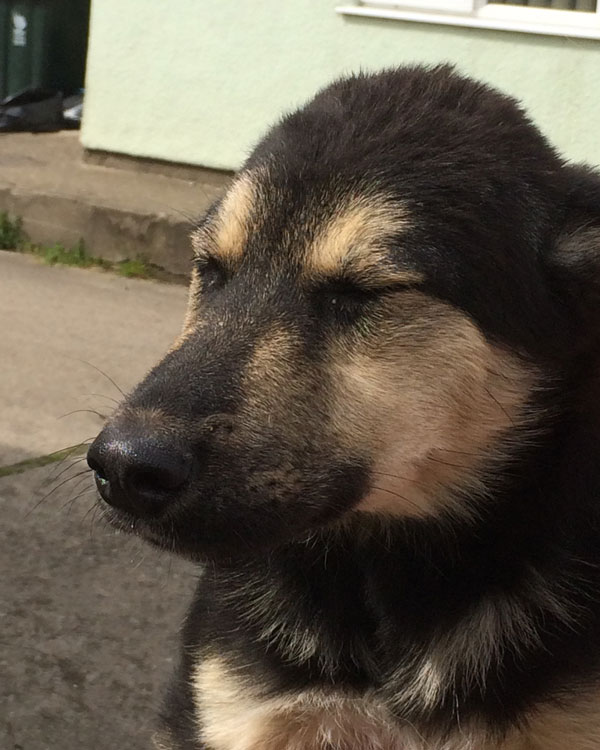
(499, 18)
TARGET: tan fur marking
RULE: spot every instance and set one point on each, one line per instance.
(274, 385)
(263, 602)
(354, 240)
(228, 232)
(433, 400)
(496, 623)
(224, 237)
(572, 725)
(268, 380)
(233, 716)
(272, 355)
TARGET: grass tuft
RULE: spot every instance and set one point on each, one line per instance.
(12, 236)
(135, 269)
(74, 256)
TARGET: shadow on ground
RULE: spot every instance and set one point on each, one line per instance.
(89, 620)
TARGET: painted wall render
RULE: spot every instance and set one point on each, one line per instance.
(198, 82)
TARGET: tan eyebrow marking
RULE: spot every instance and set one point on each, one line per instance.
(354, 241)
(226, 234)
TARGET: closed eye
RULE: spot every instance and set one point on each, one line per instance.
(350, 292)
(211, 272)
(344, 302)
(347, 299)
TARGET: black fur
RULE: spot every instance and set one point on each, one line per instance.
(506, 232)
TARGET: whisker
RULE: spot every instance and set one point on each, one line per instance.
(85, 362)
(79, 411)
(66, 468)
(72, 498)
(71, 501)
(191, 220)
(53, 490)
(96, 515)
(102, 395)
(93, 507)
(51, 476)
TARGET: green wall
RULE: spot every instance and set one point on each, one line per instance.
(198, 81)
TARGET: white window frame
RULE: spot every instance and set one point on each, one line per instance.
(484, 15)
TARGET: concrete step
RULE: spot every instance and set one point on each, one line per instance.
(120, 208)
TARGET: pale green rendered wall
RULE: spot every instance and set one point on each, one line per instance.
(197, 81)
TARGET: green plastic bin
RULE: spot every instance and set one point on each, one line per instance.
(43, 43)
(25, 47)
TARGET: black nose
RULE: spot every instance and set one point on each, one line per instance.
(140, 474)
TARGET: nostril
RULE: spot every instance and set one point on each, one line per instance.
(158, 470)
(145, 482)
(152, 480)
(96, 467)
(100, 477)
(103, 487)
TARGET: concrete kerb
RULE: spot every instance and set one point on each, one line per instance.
(119, 213)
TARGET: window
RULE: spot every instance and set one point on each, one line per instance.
(573, 18)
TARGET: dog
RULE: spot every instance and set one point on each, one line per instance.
(378, 434)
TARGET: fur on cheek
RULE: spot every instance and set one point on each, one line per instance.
(436, 416)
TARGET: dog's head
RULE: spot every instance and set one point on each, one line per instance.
(375, 306)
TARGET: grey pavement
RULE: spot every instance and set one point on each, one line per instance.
(88, 618)
(57, 325)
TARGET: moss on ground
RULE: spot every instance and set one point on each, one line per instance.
(136, 269)
(13, 237)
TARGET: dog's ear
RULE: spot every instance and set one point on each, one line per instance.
(574, 260)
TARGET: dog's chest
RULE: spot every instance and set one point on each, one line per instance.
(232, 716)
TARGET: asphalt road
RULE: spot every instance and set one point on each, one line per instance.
(88, 618)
